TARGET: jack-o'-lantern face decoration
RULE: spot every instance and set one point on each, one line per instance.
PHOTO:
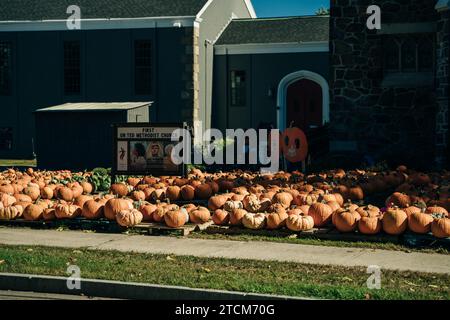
(294, 145)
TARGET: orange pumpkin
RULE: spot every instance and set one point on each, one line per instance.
(346, 220)
(175, 218)
(114, 206)
(129, 217)
(276, 220)
(321, 214)
(395, 221)
(370, 224)
(420, 222)
(236, 216)
(299, 223)
(217, 202)
(33, 212)
(199, 216)
(221, 217)
(441, 228)
(294, 145)
(92, 209)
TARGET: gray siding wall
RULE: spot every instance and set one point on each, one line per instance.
(264, 72)
(107, 74)
(214, 21)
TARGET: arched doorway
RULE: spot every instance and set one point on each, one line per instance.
(303, 97)
(304, 104)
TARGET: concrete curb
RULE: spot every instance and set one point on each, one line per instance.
(123, 290)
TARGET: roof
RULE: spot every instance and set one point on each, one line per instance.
(95, 106)
(36, 10)
(276, 30)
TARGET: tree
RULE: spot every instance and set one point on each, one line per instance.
(322, 11)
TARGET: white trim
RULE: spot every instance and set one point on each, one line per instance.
(265, 48)
(250, 8)
(99, 24)
(442, 5)
(205, 7)
(294, 77)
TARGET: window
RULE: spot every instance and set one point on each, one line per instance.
(238, 89)
(6, 139)
(5, 68)
(72, 68)
(143, 67)
(409, 53)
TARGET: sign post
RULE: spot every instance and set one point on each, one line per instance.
(145, 149)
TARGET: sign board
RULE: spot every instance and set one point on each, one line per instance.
(145, 149)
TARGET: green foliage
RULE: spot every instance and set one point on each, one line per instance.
(322, 11)
(100, 179)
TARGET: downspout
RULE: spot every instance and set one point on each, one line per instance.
(207, 42)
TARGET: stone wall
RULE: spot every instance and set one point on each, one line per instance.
(391, 123)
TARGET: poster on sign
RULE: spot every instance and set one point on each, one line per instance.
(145, 149)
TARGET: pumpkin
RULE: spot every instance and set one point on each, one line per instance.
(252, 203)
(129, 217)
(356, 193)
(65, 194)
(437, 210)
(161, 210)
(189, 207)
(294, 144)
(231, 205)
(236, 216)
(7, 200)
(221, 217)
(81, 200)
(199, 216)
(133, 181)
(114, 206)
(92, 209)
(175, 218)
(173, 193)
(11, 212)
(346, 220)
(87, 187)
(395, 221)
(203, 191)
(147, 211)
(49, 214)
(33, 212)
(7, 188)
(22, 198)
(276, 220)
(305, 199)
(138, 195)
(119, 189)
(398, 199)
(217, 202)
(412, 209)
(67, 211)
(77, 190)
(47, 193)
(299, 223)
(33, 192)
(187, 192)
(321, 213)
(254, 221)
(419, 222)
(283, 198)
(333, 205)
(370, 224)
(441, 227)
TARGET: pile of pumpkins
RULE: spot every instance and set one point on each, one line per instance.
(282, 200)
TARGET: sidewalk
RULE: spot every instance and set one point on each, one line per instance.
(350, 257)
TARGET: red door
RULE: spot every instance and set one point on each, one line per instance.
(304, 104)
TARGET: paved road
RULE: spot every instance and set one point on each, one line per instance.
(271, 251)
(16, 295)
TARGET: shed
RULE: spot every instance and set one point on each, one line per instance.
(79, 136)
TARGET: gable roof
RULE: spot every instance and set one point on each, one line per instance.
(276, 30)
(37, 10)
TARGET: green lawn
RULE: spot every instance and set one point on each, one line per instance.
(236, 275)
(17, 163)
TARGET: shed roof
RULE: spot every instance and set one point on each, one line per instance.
(37, 10)
(276, 30)
(95, 106)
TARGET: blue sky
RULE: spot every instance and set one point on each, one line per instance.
(281, 8)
